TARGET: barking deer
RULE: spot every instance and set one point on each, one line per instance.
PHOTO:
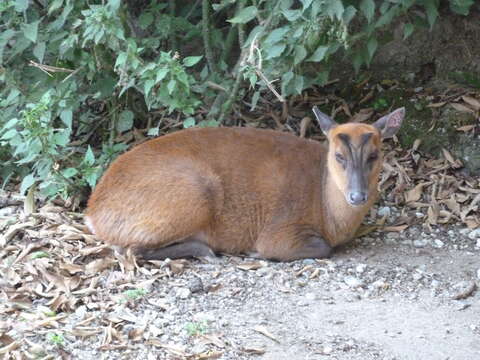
(261, 193)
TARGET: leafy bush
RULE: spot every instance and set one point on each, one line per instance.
(78, 72)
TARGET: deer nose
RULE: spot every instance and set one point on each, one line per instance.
(357, 197)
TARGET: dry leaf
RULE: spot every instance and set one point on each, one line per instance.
(254, 265)
(264, 331)
(397, 228)
(256, 350)
(212, 339)
(462, 108)
(465, 128)
(416, 193)
(437, 105)
(472, 102)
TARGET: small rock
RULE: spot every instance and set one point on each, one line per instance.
(380, 284)
(474, 234)
(327, 350)
(195, 285)
(419, 215)
(435, 284)
(420, 243)
(352, 281)
(311, 296)
(417, 276)
(204, 316)
(478, 273)
(360, 268)
(438, 243)
(465, 231)
(384, 211)
(182, 293)
(478, 243)
(393, 235)
(308, 261)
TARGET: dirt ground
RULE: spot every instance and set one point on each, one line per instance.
(389, 295)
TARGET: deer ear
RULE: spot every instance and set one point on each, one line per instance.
(388, 125)
(326, 123)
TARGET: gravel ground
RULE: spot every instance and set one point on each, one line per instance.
(388, 295)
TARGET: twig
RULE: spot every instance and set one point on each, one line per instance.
(48, 68)
(206, 36)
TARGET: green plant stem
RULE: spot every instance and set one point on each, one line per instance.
(229, 41)
(206, 36)
(173, 11)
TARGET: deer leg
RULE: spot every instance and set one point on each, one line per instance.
(185, 249)
(292, 243)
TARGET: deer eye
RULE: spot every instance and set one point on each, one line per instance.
(373, 157)
(340, 158)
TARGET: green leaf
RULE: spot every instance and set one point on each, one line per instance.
(245, 15)
(10, 123)
(334, 9)
(255, 98)
(188, 122)
(30, 31)
(145, 20)
(275, 50)
(21, 5)
(349, 14)
(276, 35)
(368, 9)
(298, 83)
(461, 7)
(306, 4)
(408, 30)
(62, 137)
(171, 86)
(68, 173)
(292, 15)
(27, 181)
(153, 131)
(9, 134)
(372, 46)
(161, 74)
(39, 51)
(89, 158)
(192, 60)
(432, 11)
(56, 4)
(300, 54)
(66, 116)
(125, 121)
(319, 54)
(148, 86)
(114, 4)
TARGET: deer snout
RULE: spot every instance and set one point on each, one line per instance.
(357, 198)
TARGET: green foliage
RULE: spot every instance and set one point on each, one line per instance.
(56, 339)
(196, 328)
(76, 76)
(134, 294)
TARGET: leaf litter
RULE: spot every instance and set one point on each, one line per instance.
(56, 278)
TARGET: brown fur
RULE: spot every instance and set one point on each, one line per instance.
(238, 190)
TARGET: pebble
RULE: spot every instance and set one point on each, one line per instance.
(204, 316)
(311, 296)
(419, 215)
(478, 273)
(182, 293)
(478, 243)
(420, 243)
(465, 231)
(384, 211)
(327, 350)
(474, 234)
(352, 281)
(360, 268)
(438, 243)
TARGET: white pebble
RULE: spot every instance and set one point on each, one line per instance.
(360, 268)
(182, 293)
(384, 211)
(474, 234)
(353, 282)
(438, 243)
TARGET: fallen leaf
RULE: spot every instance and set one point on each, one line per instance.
(264, 331)
(472, 102)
